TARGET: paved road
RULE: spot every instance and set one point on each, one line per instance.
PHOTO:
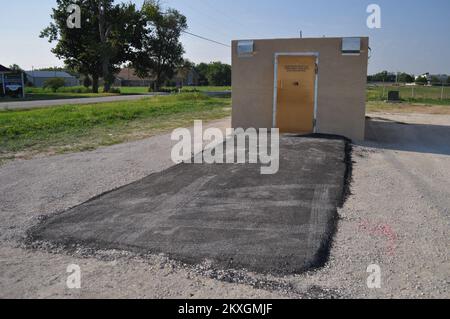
(44, 103)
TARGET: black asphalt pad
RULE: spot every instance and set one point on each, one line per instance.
(227, 214)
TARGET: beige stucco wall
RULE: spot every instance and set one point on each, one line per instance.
(341, 86)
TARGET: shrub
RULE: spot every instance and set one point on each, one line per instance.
(421, 80)
(54, 84)
(74, 89)
(114, 91)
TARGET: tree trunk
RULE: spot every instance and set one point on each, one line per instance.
(95, 83)
(157, 82)
(104, 32)
(106, 75)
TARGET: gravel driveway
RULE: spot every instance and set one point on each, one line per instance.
(397, 217)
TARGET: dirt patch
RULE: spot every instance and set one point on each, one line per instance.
(408, 108)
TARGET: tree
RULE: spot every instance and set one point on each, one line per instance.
(185, 68)
(405, 78)
(219, 74)
(448, 80)
(54, 84)
(120, 28)
(435, 80)
(161, 52)
(202, 71)
(107, 35)
(384, 76)
(87, 82)
(17, 69)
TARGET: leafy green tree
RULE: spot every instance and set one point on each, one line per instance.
(219, 74)
(17, 69)
(161, 52)
(448, 80)
(405, 78)
(384, 76)
(185, 68)
(436, 80)
(202, 71)
(54, 84)
(107, 35)
(87, 82)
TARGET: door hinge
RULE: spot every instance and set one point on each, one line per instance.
(317, 68)
(314, 123)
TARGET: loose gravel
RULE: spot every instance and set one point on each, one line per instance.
(397, 217)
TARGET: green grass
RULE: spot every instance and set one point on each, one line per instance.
(206, 88)
(33, 94)
(415, 94)
(53, 96)
(76, 92)
(84, 127)
(133, 90)
(186, 89)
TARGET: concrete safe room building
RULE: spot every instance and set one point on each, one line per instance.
(315, 85)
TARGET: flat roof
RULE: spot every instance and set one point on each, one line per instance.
(298, 39)
(48, 74)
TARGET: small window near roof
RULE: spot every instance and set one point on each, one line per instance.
(245, 48)
(351, 46)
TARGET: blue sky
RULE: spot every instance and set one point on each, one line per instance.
(414, 36)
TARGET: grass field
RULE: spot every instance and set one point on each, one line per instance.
(86, 127)
(413, 94)
(76, 92)
(33, 94)
(141, 90)
(415, 99)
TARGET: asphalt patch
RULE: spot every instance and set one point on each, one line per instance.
(226, 214)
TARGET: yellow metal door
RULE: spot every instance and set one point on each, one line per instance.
(296, 93)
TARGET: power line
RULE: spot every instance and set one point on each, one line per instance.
(201, 13)
(230, 18)
(206, 39)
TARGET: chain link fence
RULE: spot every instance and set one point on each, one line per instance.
(413, 93)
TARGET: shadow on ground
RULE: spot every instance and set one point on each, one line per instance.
(230, 215)
(421, 138)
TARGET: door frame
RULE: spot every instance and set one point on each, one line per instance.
(275, 85)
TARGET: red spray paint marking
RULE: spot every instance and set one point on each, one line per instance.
(381, 230)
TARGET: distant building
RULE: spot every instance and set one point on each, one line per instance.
(38, 78)
(187, 77)
(128, 77)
